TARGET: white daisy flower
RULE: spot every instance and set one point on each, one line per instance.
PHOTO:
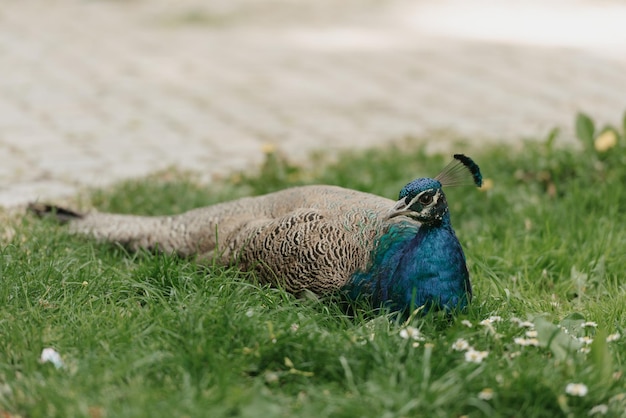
(486, 394)
(460, 345)
(589, 324)
(526, 341)
(466, 323)
(576, 389)
(613, 337)
(490, 320)
(411, 333)
(474, 356)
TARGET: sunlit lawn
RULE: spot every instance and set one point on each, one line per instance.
(153, 335)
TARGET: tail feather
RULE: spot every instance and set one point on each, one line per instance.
(62, 215)
(185, 236)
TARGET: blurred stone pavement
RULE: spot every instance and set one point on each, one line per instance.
(94, 91)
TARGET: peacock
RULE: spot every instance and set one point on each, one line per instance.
(321, 239)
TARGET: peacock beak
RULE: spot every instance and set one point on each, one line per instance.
(400, 208)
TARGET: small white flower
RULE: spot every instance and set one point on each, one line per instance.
(584, 350)
(520, 341)
(613, 337)
(576, 389)
(526, 324)
(415, 344)
(460, 345)
(531, 334)
(486, 394)
(466, 323)
(488, 324)
(249, 313)
(474, 356)
(50, 355)
(590, 324)
(585, 340)
(294, 327)
(526, 341)
(490, 320)
(601, 409)
(411, 333)
(515, 320)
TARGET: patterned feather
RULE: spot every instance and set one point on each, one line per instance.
(322, 239)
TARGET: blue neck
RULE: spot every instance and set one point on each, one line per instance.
(414, 265)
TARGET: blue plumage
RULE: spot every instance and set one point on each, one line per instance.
(418, 260)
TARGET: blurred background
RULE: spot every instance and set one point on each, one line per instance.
(95, 91)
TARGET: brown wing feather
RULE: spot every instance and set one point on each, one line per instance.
(311, 237)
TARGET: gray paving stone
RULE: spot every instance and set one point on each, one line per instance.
(95, 92)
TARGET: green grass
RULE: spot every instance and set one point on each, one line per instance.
(153, 335)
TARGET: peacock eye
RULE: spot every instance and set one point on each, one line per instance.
(425, 199)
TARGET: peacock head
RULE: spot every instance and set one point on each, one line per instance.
(423, 199)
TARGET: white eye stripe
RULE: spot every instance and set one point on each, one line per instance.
(416, 198)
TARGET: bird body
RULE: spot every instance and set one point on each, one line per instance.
(320, 239)
(304, 238)
(415, 266)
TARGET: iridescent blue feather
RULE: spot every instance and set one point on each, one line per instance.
(418, 260)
